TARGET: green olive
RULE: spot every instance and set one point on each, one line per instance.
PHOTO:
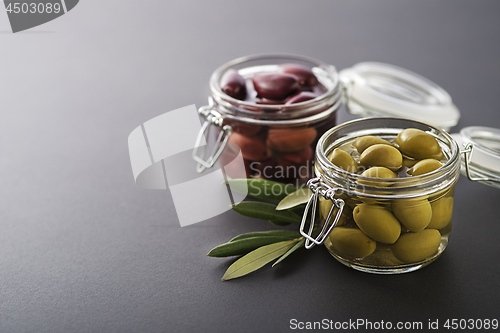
(324, 209)
(364, 142)
(377, 172)
(414, 214)
(343, 160)
(418, 144)
(382, 155)
(425, 166)
(351, 242)
(407, 162)
(447, 192)
(414, 247)
(442, 211)
(377, 222)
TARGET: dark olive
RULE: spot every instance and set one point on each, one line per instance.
(233, 84)
(265, 101)
(287, 140)
(300, 157)
(252, 147)
(275, 86)
(301, 97)
(304, 74)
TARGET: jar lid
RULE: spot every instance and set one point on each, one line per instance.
(378, 89)
(481, 154)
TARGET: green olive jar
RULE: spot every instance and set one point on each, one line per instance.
(398, 224)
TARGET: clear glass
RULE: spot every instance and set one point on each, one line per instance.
(379, 205)
(384, 90)
(484, 164)
(276, 140)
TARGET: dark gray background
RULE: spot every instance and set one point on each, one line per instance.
(82, 249)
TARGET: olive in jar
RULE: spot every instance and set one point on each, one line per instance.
(366, 141)
(382, 155)
(377, 222)
(305, 75)
(377, 172)
(414, 214)
(351, 242)
(415, 247)
(442, 211)
(425, 166)
(275, 86)
(252, 147)
(418, 144)
(343, 160)
(290, 139)
(233, 84)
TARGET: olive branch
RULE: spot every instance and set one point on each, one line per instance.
(260, 248)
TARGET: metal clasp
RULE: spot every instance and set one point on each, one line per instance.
(468, 149)
(213, 118)
(318, 188)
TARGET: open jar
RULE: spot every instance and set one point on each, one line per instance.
(277, 134)
(382, 225)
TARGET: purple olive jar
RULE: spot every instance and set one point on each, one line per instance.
(274, 108)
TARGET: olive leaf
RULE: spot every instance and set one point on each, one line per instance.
(296, 198)
(299, 210)
(290, 234)
(295, 247)
(261, 188)
(265, 211)
(279, 223)
(257, 258)
(244, 245)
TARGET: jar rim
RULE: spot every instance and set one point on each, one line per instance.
(396, 188)
(318, 108)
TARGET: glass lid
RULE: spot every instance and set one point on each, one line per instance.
(480, 154)
(382, 90)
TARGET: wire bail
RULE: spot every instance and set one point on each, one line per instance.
(212, 118)
(318, 188)
(468, 149)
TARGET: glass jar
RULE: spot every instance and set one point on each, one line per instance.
(373, 216)
(374, 89)
(481, 154)
(276, 139)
